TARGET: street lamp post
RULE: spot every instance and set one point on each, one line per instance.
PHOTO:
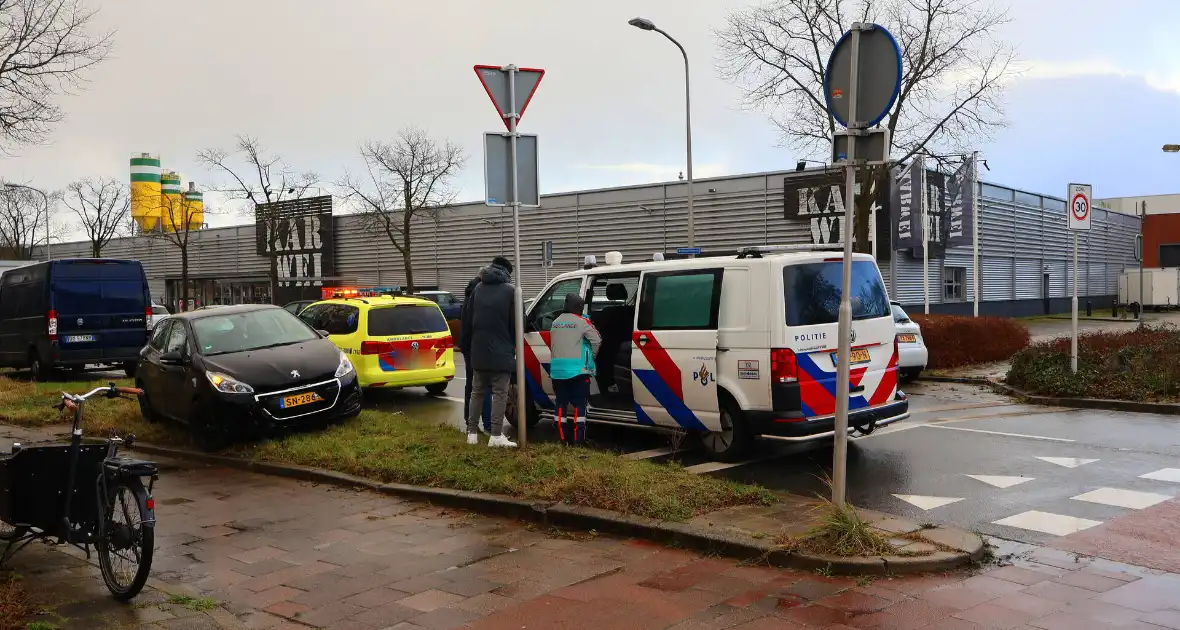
(648, 25)
(45, 202)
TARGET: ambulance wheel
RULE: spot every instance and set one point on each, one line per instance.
(732, 442)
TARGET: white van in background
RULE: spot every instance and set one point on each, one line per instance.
(728, 348)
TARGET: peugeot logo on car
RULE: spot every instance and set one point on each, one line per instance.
(79, 321)
(294, 373)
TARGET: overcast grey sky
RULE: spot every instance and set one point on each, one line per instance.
(311, 79)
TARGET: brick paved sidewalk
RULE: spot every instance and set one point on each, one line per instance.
(284, 554)
(287, 555)
(70, 594)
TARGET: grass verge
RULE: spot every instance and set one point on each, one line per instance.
(15, 604)
(838, 531)
(392, 447)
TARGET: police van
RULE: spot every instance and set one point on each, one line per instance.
(727, 348)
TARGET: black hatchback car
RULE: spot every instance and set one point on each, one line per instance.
(241, 371)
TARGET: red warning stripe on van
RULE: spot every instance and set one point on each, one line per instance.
(660, 361)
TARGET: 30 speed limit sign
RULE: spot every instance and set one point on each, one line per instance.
(1078, 201)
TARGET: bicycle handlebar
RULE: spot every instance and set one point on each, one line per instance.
(111, 390)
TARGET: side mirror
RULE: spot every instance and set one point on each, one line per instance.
(171, 358)
(322, 333)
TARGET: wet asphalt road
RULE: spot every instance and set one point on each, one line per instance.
(955, 431)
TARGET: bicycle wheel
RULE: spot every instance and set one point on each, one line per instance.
(125, 551)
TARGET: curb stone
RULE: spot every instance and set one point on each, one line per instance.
(1133, 406)
(970, 549)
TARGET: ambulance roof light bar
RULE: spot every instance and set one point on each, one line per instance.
(757, 251)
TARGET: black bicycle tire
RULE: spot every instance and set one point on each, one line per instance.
(147, 546)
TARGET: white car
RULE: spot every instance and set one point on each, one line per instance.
(911, 350)
(159, 314)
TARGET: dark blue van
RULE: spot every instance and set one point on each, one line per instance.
(73, 313)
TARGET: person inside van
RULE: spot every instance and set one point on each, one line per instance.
(574, 342)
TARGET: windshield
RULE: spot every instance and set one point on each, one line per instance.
(899, 314)
(252, 330)
(812, 292)
(406, 320)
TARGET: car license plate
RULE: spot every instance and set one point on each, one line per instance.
(856, 356)
(299, 399)
(907, 338)
(79, 338)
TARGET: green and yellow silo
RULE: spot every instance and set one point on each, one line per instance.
(145, 191)
(171, 200)
(194, 207)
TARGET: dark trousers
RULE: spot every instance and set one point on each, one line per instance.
(571, 392)
(487, 399)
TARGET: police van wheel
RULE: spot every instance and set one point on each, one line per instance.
(732, 442)
(437, 389)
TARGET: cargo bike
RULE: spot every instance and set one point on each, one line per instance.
(83, 494)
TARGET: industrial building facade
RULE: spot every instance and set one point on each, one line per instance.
(1026, 249)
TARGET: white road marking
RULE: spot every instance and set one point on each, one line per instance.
(1000, 481)
(1019, 435)
(1068, 462)
(1166, 474)
(708, 467)
(1131, 499)
(926, 503)
(1048, 523)
(452, 399)
(655, 452)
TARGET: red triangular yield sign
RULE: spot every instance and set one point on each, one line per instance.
(495, 83)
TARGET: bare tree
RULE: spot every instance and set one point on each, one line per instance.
(46, 47)
(406, 180)
(25, 214)
(176, 229)
(955, 70)
(102, 206)
(258, 177)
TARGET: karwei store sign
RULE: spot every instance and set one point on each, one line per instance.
(299, 237)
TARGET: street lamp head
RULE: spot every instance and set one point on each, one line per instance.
(642, 23)
(1172, 148)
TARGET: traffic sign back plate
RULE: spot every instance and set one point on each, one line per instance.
(495, 82)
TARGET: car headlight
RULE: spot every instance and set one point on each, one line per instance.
(225, 384)
(345, 367)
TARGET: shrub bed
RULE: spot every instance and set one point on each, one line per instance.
(1141, 365)
(955, 341)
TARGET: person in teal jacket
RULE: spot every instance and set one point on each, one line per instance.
(573, 342)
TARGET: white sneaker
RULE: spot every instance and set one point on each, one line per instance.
(473, 438)
(501, 442)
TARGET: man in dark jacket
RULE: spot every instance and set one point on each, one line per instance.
(465, 350)
(491, 338)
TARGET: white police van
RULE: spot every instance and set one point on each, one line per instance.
(728, 348)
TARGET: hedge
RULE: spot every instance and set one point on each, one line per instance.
(1142, 365)
(955, 341)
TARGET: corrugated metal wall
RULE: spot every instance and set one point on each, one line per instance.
(1022, 236)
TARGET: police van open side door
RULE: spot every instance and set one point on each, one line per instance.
(674, 348)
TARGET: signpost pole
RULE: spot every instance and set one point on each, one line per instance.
(976, 208)
(925, 242)
(1073, 344)
(518, 305)
(844, 327)
(1142, 220)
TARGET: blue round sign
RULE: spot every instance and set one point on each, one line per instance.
(878, 76)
